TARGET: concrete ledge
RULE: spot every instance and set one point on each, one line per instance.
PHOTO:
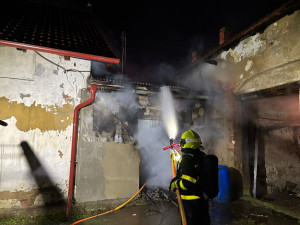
(108, 204)
(277, 208)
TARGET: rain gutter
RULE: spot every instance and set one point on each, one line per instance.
(92, 89)
(59, 51)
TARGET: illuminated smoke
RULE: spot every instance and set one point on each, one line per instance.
(121, 106)
(153, 135)
(156, 167)
(168, 112)
(210, 80)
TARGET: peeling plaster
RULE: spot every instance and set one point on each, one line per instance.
(39, 81)
(249, 65)
(10, 203)
(60, 153)
(38, 107)
(19, 198)
(39, 69)
(246, 48)
(35, 116)
(24, 96)
(45, 146)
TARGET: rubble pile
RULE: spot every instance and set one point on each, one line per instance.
(154, 195)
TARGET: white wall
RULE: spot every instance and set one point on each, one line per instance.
(37, 100)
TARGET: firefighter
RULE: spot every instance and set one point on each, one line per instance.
(189, 180)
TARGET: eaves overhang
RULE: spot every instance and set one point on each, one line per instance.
(280, 90)
(59, 52)
(146, 88)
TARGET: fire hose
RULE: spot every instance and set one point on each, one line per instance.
(119, 207)
(182, 213)
(181, 208)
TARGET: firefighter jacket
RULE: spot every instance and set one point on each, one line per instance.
(190, 174)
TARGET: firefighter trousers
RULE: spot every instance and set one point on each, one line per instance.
(196, 211)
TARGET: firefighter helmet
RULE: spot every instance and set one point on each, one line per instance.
(190, 139)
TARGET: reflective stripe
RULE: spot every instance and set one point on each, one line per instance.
(189, 197)
(191, 179)
(187, 140)
(177, 157)
(175, 182)
(182, 186)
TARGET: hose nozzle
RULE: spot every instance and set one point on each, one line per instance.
(173, 145)
(172, 141)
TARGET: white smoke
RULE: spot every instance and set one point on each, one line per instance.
(212, 81)
(122, 105)
(161, 73)
(156, 166)
(98, 68)
(152, 135)
(116, 101)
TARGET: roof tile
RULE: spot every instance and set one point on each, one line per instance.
(53, 27)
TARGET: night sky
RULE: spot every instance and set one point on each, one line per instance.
(161, 35)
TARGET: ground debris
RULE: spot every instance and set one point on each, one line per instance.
(296, 192)
(258, 215)
(155, 194)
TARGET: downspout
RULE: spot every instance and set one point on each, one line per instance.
(92, 89)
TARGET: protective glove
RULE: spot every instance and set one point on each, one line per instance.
(177, 156)
(174, 184)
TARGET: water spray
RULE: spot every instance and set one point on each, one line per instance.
(171, 126)
(168, 113)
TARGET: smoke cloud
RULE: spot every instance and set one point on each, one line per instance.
(212, 81)
(99, 68)
(119, 109)
(153, 135)
(156, 166)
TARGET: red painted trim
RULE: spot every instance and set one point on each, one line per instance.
(92, 89)
(59, 51)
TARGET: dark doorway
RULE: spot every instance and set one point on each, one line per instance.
(253, 150)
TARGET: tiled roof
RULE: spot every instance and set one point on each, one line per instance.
(36, 24)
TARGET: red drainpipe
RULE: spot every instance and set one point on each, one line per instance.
(92, 89)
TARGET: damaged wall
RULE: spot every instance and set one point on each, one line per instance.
(107, 160)
(37, 100)
(279, 119)
(129, 135)
(227, 139)
(265, 61)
